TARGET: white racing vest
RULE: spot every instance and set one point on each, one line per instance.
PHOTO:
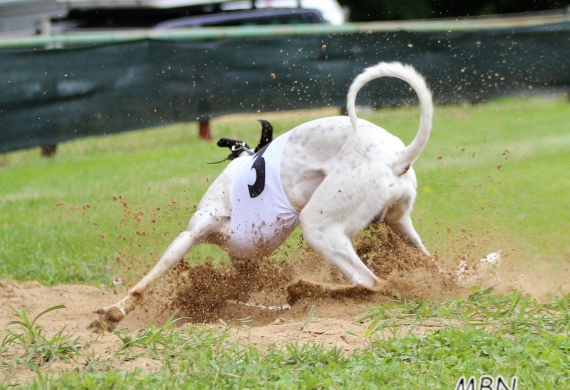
(261, 218)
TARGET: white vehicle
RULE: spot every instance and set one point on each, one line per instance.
(25, 17)
(330, 9)
(22, 17)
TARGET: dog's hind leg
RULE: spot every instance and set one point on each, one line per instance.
(337, 249)
(400, 221)
(339, 208)
(200, 227)
(405, 229)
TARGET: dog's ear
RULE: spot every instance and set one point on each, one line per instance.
(237, 148)
(228, 143)
(266, 134)
(234, 145)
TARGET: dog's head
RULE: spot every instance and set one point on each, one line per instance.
(240, 148)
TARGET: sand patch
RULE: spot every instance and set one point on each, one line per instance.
(303, 299)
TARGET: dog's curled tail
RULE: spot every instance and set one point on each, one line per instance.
(406, 157)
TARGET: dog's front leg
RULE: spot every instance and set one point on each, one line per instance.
(110, 316)
(200, 226)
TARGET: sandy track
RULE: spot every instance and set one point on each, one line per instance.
(206, 294)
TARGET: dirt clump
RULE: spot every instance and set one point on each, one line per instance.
(208, 292)
(304, 289)
(384, 252)
(271, 289)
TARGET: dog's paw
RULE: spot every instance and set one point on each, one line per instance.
(108, 319)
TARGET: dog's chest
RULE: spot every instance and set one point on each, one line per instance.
(261, 216)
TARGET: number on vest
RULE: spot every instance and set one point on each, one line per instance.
(259, 165)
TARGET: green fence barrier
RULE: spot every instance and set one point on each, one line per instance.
(61, 87)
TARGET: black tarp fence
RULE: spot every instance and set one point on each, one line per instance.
(54, 92)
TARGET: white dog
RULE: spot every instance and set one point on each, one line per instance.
(333, 176)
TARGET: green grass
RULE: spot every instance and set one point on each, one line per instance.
(511, 336)
(502, 170)
(38, 348)
(58, 216)
(493, 177)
